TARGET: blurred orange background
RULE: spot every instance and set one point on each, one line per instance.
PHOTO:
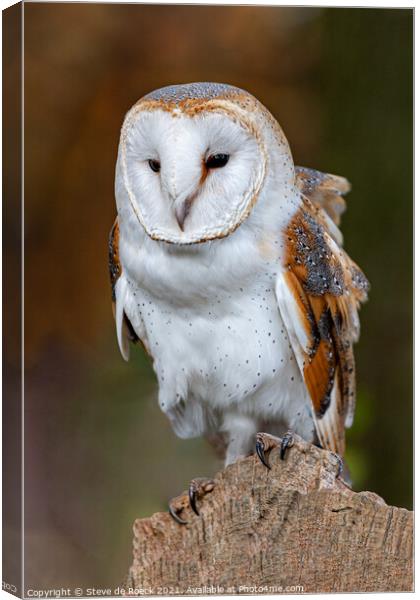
(98, 451)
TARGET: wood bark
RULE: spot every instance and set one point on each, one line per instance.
(294, 528)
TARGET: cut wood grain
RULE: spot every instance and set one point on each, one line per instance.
(295, 528)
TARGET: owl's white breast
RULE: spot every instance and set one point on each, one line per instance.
(214, 329)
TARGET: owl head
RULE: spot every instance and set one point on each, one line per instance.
(195, 159)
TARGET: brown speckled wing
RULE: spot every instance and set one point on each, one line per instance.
(114, 264)
(319, 297)
(323, 190)
(114, 267)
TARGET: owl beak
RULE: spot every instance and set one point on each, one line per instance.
(182, 210)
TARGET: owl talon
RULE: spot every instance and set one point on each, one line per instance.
(286, 442)
(176, 506)
(260, 450)
(174, 514)
(198, 489)
(265, 443)
(340, 465)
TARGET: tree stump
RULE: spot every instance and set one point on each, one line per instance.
(294, 528)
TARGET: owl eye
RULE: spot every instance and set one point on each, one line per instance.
(154, 165)
(216, 161)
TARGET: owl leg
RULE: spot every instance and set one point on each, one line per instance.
(266, 442)
(198, 488)
(240, 430)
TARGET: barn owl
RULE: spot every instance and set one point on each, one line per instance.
(227, 264)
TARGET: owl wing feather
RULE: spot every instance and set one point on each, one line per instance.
(319, 295)
(325, 191)
(126, 333)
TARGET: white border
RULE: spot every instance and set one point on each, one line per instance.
(321, 3)
(367, 4)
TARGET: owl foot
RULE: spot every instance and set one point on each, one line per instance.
(177, 506)
(286, 442)
(266, 443)
(198, 488)
(340, 465)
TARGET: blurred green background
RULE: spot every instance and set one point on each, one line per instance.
(98, 451)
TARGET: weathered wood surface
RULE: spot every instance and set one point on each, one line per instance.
(295, 527)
